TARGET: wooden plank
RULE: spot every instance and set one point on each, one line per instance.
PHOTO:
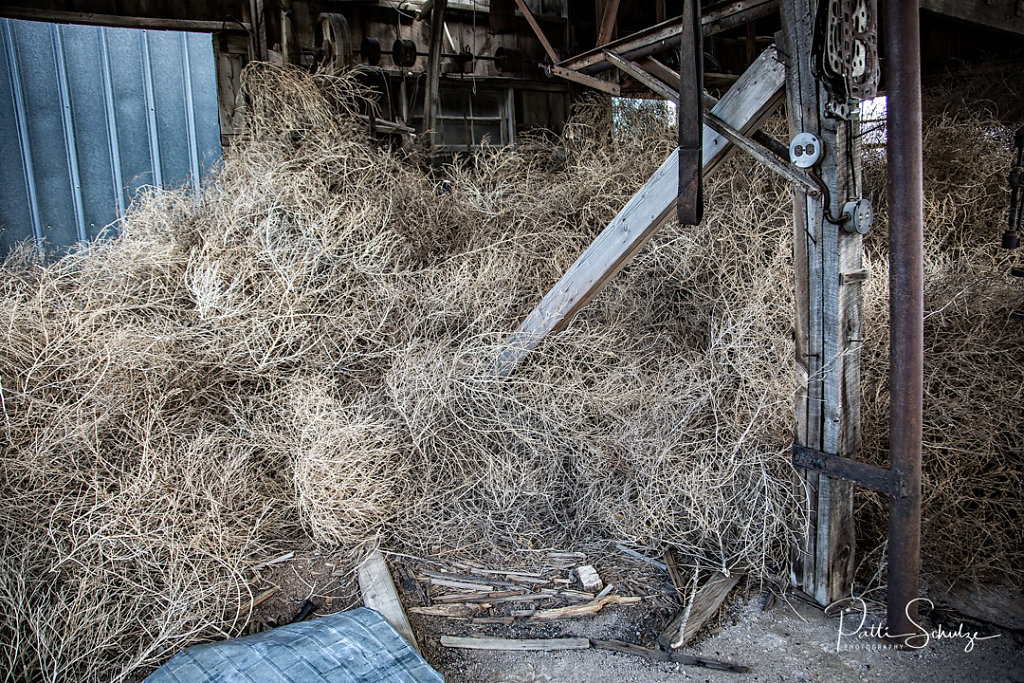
(456, 610)
(611, 10)
(378, 591)
(538, 31)
(461, 585)
(674, 574)
(745, 106)
(827, 324)
(121, 21)
(662, 656)
(516, 644)
(703, 606)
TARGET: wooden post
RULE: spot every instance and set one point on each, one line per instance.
(287, 37)
(430, 97)
(828, 318)
(257, 14)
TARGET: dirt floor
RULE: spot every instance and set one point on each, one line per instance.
(789, 642)
(972, 634)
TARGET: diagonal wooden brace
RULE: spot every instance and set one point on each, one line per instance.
(751, 99)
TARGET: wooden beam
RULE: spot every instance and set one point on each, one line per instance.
(828, 319)
(744, 106)
(538, 31)
(1002, 15)
(665, 35)
(378, 591)
(120, 21)
(589, 81)
(430, 91)
(516, 644)
(662, 72)
(703, 606)
(634, 70)
(258, 35)
(611, 10)
(763, 155)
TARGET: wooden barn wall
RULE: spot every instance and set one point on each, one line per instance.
(539, 101)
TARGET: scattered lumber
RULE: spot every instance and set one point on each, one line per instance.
(662, 656)
(705, 603)
(379, 594)
(276, 560)
(673, 573)
(261, 598)
(567, 593)
(516, 644)
(458, 585)
(497, 596)
(454, 610)
(640, 558)
(585, 610)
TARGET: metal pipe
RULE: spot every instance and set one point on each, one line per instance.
(906, 310)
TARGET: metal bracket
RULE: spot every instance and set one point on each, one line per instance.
(871, 477)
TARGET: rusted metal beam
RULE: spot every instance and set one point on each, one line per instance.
(869, 476)
(906, 308)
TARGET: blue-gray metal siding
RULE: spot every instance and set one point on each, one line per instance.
(88, 115)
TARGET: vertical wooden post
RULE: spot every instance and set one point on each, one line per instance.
(828, 318)
(257, 20)
(287, 38)
(430, 96)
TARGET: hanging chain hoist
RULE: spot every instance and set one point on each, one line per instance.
(1011, 238)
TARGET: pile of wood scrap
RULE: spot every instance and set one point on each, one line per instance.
(468, 593)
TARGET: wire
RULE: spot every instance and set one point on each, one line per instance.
(474, 47)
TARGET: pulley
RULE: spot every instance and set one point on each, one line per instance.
(508, 59)
(333, 42)
(845, 49)
(464, 60)
(369, 51)
(403, 52)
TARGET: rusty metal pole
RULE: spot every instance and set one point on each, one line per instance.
(906, 308)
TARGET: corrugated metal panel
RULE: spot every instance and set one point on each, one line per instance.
(88, 115)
